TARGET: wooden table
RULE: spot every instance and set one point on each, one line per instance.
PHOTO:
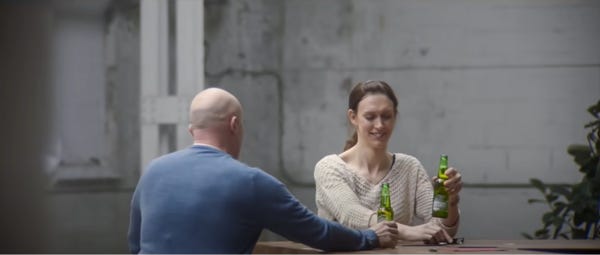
(469, 247)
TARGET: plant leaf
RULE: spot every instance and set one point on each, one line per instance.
(548, 218)
(527, 236)
(594, 110)
(562, 190)
(559, 205)
(542, 233)
(578, 233)
(589, 167)
(593, 123)
(578, 218)
(533, 200)
(596, 179)
(558, 222)
(538, 185)
(581, 153)
(551, 197)
(588, 215)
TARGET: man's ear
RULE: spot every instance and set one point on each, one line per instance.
(234, 124)
(191, 130)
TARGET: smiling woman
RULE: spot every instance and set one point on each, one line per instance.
(377, 91)
(348, 184)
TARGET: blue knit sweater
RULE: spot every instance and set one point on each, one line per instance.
(201, 200)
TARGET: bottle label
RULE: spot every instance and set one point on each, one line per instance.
(439, 203)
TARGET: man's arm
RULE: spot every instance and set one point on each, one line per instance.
(134, 225)
(279, 211)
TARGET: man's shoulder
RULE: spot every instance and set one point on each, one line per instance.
(168, 158)
(259, 174)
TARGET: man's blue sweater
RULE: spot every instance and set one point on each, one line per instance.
(201, 200)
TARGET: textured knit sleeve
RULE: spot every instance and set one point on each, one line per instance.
(423, 194)
(424, 200)
(335, 196)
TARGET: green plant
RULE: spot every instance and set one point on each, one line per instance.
(577, 205)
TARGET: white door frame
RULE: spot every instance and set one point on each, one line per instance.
(157, 107)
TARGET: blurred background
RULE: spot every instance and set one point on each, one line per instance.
(91, 91)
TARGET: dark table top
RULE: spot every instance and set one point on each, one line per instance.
(468, 247)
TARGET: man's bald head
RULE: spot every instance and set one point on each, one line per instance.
(216, 120)
(213, 107)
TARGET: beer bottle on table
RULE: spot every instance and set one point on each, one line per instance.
(440, 194)
(385, 211)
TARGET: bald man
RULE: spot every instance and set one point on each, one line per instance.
(203, 200)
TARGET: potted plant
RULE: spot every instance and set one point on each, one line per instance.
(574, 209)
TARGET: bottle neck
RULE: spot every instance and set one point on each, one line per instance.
(387, 202)
(385, 197)
(443, 167)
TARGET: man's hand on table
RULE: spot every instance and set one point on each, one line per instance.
(387, 234)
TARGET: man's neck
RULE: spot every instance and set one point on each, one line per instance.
(209, 145)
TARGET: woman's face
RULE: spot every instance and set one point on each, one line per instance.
(374, 120)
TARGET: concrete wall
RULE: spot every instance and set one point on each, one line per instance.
(501, 86)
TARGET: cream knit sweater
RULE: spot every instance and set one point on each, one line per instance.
(350, 199)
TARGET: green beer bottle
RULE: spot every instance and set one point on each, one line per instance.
(440, 194)
(385, 211)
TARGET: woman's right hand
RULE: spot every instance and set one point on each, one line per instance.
(428, 232)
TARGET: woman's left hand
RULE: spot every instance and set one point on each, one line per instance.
(453, 185)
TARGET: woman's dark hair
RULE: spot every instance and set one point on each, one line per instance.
(359, 91)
